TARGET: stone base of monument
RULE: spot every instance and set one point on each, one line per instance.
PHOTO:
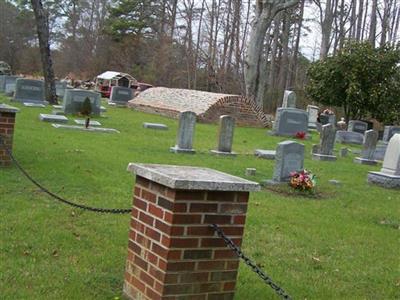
(91, 122)
(364, 161)
(266, 154)
(222, 153)
(58, 112)
(176, 149)
(55, 106)
(317, 156)
(385, 180)
(90, 129)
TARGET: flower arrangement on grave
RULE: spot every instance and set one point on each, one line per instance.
(86, 110)
(301, 135)
(327, 111)
(302, 180)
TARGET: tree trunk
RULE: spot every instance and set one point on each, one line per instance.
(43, 35)
(372, 26)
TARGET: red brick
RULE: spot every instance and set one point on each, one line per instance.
(177, 230)
(161, 251)
(142, 181)
(137, 191)
(180, 266)
(171, 278)
(184, 242)
(203, 207)
(157, 274)
(146, 278)
(140, 262)
(180, 207)
(187, 219)
(211, 265)
(220, 254)
(152, 294)
(138, 284)
(221, 196)
(168, 217)
(158, 188)
(163, 227)
(232, 230)
(232, 264)
(217, 219)
(233, 208)
(146, 219)
(140, 204)
(194, 277)
(239, 219)
(134, 247)
(200, 231)
(162, 264)
(165, 241)
(174, 254)
(149, 196)
(153, 234)
(165, 203)
(189, 195)
(242, 197)
(156, 211)
(229, 286)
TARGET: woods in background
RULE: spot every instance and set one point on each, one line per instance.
(197, 44)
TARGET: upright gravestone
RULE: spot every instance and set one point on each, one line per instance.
(2, 83)
(389, 176)
(369, 146)
(74, 98)
(289, 99)
(61, 86)
(225, 136)
(328, 119)
(327, 142)
(121, 95)
(389, 132)
(289, 158)
(349, 137)
(9, 84)
(184, 138)
(357, 126)
(312, 116)
(29, 90)
(290, 121)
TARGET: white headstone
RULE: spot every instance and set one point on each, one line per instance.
(289, 99)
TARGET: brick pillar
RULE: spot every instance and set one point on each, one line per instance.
(172, 251)
(7, 122)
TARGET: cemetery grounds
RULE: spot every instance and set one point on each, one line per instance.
(342, 243)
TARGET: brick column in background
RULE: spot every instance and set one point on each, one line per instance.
(7, 122)
(172, 251)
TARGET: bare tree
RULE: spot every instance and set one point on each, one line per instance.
(42, 27)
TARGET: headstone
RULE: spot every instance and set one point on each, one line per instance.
(389, 176)
(289, 99)
(185, 135)
(91, 122)
(29, 90)
(89, 129)
(327, 142)
(312, 111)
(357, 126)
(344, 152)
(289, 158)
(380, 151)
(349, 137)
(250, 172)
(9, 84)
(156, 126)
(225, 135)
(53, 118)
(266, 154)
(389, 132)
(369, 146)
(121, 95)
(327, 119)
(290, 121)
(74, 98)
(61, 86)
(2, 83)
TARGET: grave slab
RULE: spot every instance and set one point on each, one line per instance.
(250, 171)
(349, 137)
(83, 122)
(156, 126)
(53, 118)
(266, 154)
(32, 104)
(90, 129)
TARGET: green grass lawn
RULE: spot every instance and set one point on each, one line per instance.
(344, 245)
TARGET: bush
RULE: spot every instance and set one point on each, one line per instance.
(363, 80)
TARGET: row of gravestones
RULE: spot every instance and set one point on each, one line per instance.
(33, 91)
(290, 120)
(290, 155)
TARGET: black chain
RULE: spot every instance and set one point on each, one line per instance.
(81, 206)
(278, 290)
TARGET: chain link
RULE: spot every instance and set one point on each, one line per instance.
(42, 188)
(278, 290)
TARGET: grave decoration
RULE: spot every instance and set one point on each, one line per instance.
(302, 181)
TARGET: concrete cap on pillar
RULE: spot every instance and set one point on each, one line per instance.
(192, 178)
(8, 109)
